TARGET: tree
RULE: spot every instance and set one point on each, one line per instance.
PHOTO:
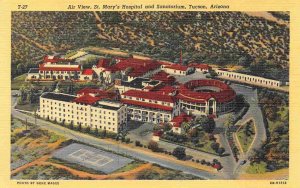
(229, 121)
(23, 93)
(179, 153)
(192, 133)
(20, 68)
(137, 143)
(215, 146)
(167, 127)
(206, 123)
(186, 126)
(220, 151)
(153, 146)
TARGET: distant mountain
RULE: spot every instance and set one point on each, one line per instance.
(211, 37)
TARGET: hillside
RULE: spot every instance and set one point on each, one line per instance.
(221, 38)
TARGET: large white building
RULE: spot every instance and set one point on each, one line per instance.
(54, 68)
(87, 110)
(142, 84)
(154, 107)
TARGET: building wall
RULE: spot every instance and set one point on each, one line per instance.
(146, 115)
(85, 115)
(175, 72)
(248, 78)
(59, 75)
(85, 77)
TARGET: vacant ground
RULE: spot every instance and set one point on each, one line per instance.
(31, 145)
(276, 175)
(56, 169)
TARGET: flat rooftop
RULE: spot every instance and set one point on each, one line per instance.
(136, 83)
(59, 96)
(33, 70)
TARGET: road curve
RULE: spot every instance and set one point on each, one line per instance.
(112, 147)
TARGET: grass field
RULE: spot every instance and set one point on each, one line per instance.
(17, 82)
(257, 168)
(245, 136)
(28, 107)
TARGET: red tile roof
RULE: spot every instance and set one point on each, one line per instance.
(186, 91)
(147, 105)
(87, 72)
(165, 90)
(54, 59)
(178, 120)
(87, 98)
(149, 95)
(177, 67)
(139, 66)
(104, 63)
(43, 68)
(164, 77)
(200, 66)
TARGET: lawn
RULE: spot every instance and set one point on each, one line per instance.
(282, 117)
(18, 81)
(257, 168)
(246, 135)
(28, 107)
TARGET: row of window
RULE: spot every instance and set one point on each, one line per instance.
(61, 72)
(150, 101)
(259, 80)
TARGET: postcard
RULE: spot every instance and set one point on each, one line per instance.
(154, 94)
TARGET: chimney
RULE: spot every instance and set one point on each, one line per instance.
(180, 57)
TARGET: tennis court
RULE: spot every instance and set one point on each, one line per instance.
(91, 157)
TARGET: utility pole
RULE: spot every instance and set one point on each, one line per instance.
(35, 118)
(26, 124)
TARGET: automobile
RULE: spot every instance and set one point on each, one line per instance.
(243, 162)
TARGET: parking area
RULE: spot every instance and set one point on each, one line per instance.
(194, 76)
(91, 158)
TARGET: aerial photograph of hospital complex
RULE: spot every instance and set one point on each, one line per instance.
(149, 95)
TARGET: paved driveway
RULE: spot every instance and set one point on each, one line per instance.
(254, 112)
(100, 143)
(140, 131)
(194, 76)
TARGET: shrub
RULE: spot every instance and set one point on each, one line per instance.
(137, 143)
(179, 153)
(127, 140)
(215, 146)
(197, 161)
(153, 146)
(220, 151)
